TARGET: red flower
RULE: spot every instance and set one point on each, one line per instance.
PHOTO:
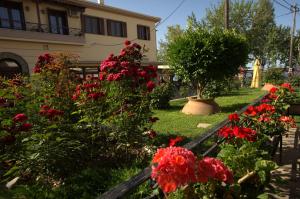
(175, 167)
(95, 96)
(265, 108)
(25, 127)
(244, 133)
(225, 132)
(264, 118)
(173, 142)
(50, 113)
(21, 117)
(150, 86)
(101, 76)
(212, 168)
(273, 90)
(234, 117)
(237, 132)
(287, 86)
(288, 120)
(127, 43)
(37, 69)
(251, 111)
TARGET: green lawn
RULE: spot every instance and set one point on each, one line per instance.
(174, 122)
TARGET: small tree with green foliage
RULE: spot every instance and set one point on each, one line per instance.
(203, 57)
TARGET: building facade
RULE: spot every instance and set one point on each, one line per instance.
(29, 28)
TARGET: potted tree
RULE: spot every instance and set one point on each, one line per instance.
(205, 59)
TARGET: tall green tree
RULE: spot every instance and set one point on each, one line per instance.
(254, 19)
(172, 33)
(262, 24)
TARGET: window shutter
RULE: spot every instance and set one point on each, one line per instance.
(138, 31)
(124, 29)
(148, 33)
(108, 22)
(101, 25)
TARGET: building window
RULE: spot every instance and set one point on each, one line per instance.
(11, 15)
(93, 25)
(143, 32)
(116, 28)
(58, 22)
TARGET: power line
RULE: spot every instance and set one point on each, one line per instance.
(154, 29)
(284, 14)
(275, 1)
(287, 2)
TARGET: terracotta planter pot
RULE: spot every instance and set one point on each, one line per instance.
(267, 87)
(200, 106)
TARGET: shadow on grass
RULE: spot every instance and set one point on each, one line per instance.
(232, 108)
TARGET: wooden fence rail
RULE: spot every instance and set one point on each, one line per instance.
(130, 185)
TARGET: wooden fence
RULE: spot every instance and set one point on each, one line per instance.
(130, 185)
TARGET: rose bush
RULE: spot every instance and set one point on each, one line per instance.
(56, 130)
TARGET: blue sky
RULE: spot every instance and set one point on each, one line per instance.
(162, 8)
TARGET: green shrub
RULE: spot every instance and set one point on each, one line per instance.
(294, 80)
(201, 58)
(274, 76)
(161, 95)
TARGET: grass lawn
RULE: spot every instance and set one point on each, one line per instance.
(172, 121)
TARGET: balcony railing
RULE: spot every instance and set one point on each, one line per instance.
(44, 28)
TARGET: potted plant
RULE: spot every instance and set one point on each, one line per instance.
(204, 59)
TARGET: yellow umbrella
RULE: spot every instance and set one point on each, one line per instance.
(256, 79)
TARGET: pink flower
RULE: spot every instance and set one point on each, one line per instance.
(21, 117)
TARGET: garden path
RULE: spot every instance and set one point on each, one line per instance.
(285, 183)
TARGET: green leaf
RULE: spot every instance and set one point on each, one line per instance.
(11, 171)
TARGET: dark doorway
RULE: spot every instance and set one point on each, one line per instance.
(9, 68)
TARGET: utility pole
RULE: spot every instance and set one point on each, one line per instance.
(226, 14)
(294, 8)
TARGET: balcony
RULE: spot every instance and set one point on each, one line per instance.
(34, 32)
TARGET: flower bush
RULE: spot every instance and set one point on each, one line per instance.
(56, 130)
(244, 159)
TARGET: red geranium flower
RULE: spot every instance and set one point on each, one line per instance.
(173, 142)
(251, 111)
(175, 167)
(234, 117)
(212, 168)
(287, 86)
(273, 90)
